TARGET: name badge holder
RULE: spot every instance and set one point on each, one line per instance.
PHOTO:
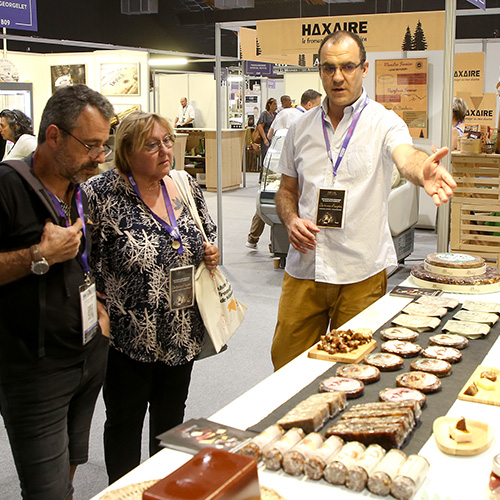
(181, 287)
(331, 208)
(331, 202)
(173, 230)
(88, 293)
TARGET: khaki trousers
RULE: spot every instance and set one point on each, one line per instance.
(256, 229)
(308, 309)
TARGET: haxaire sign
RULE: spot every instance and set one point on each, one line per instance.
(379, 33)
(324, 29)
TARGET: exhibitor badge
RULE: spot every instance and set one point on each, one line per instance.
(331, 208)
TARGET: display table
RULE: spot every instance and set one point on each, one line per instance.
(450, 477)
(201, 152)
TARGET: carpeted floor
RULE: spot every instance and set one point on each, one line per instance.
(217, 381)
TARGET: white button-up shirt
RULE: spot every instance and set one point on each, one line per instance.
(364, 246)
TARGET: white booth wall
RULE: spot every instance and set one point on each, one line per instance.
(35, 68)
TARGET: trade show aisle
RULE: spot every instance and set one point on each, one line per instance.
(219, 380)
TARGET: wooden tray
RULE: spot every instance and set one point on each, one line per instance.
(348, 357)
(481, 435)
(482, 396)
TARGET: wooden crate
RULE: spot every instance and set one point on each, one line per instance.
(475, 206)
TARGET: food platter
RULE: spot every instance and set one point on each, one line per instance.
(488, 397)
(481, 435)
(344, 357)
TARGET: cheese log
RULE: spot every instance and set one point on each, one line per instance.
(295, 459)
(380, 480)
(273, 457)
(358, 474)
(336, 471)
(410, 477)
(255, 447)
(315, 465)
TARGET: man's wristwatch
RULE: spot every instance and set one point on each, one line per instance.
(39, 264)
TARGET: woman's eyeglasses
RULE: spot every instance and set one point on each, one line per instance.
(154, 146)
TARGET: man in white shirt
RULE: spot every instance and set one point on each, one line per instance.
(185, 115)
(343, 149)
(310, 99)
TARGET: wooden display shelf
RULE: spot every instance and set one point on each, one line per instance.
(233, 142)
(475, 206)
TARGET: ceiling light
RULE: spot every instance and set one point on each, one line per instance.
(168, 62)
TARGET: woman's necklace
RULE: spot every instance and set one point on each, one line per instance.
(152, 188)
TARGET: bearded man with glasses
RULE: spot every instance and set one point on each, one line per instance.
(336, 166)
(53, 330)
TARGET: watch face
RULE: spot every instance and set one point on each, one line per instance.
(39, 267)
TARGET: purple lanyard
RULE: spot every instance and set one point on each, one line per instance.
(172, 230)
(81, 215)
(346, 140)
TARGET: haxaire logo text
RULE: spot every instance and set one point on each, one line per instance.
(476, 73)
(327, 28)
(480, 112)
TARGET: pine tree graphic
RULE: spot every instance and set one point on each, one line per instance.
(407, 40)
(419, 42)
(241, 52)
(258, 50)
(302, 59)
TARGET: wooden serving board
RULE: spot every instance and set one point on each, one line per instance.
(482, 396)
(481, 435)
(344, 357)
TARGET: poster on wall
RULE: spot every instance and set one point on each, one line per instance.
(401, 85)
(252, 109)
(120, 79)
(63, 75)
(469, 73)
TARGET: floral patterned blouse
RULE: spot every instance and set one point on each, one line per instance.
(131, 257)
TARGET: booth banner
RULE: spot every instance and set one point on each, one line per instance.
(401, 85)
(481, 109)
(250, 51)
(469, 73)
(380, 32)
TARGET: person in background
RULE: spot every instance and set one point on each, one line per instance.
(265, 119)
(16, 127)
(286, 103)
(310, 99)
(349, 144)
(185, 115)
(142, 234)
(459, 113)
(52, 358)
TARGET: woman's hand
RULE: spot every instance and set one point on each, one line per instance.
(212, 256)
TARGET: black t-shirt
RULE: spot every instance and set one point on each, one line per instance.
(40, 318)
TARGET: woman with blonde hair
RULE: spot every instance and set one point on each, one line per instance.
(144, 240)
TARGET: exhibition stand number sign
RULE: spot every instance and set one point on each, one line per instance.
(18, 14)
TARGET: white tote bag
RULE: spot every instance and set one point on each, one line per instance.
(221, 312)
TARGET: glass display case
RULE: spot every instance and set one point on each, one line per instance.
(265, 202)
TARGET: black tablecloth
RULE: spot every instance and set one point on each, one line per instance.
(437, 404)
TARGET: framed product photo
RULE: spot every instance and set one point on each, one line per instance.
(63, 75)
(120, 79)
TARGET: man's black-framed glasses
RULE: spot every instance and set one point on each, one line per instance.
(346, 69)
(93, 151)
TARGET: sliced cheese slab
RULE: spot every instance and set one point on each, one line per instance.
(476, 317)
(438, 301)
(466, 328)
(425, 310)
(476, 305)
(417, 323)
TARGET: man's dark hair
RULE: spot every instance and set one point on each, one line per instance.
(309, 95)
(338, 36)
(66, 105)
(18, 122)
